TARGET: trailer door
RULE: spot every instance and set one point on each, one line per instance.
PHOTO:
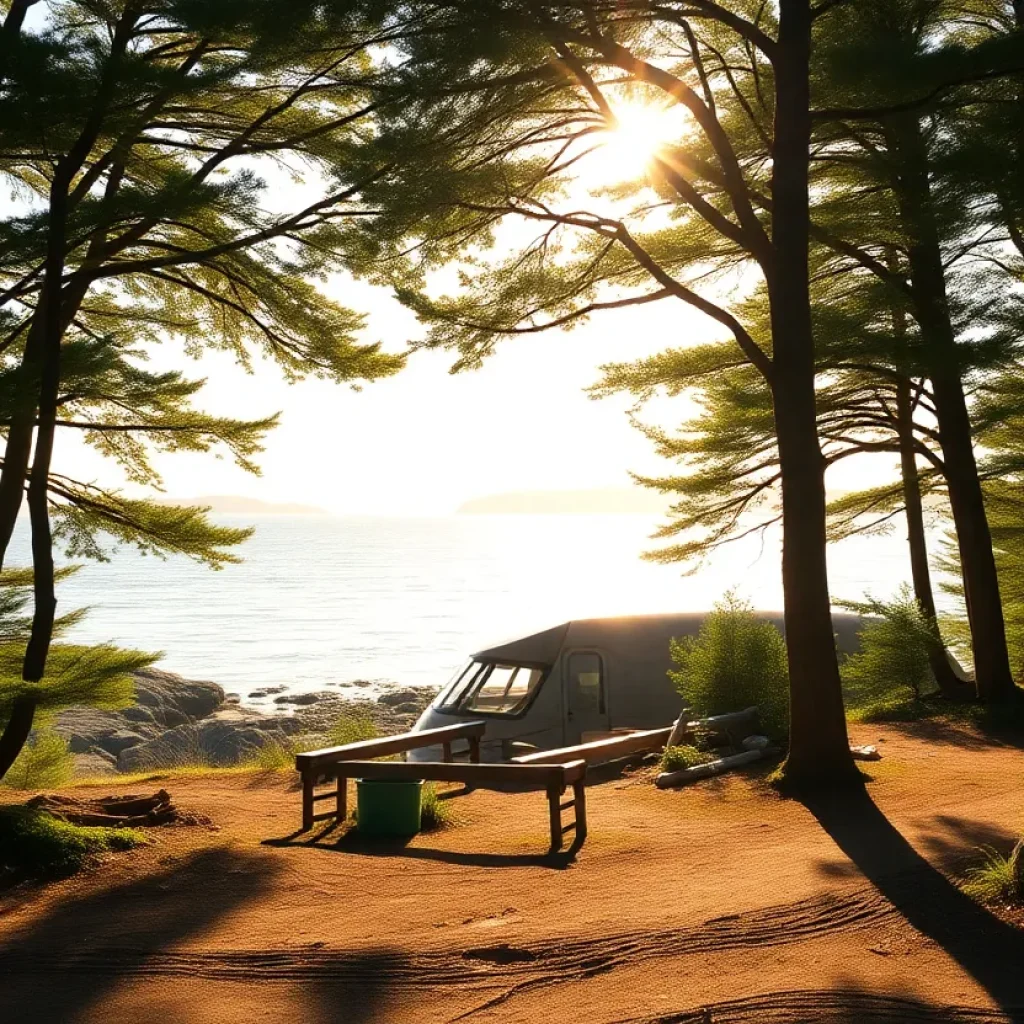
(586, 695)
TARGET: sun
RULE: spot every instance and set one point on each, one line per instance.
(627, 150)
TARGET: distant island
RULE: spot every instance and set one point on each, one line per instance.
(590, 501)
(238, 505)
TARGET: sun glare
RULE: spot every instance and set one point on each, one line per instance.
(626, 151)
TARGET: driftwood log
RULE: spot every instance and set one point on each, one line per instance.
(669, 780)
(112, 811)
(732, 728)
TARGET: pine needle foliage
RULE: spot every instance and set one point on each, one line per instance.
(892, 666)
(736, 661)
(1005, 507)
(178, 124)
(99, 675)
(184, 176)
(45, 762)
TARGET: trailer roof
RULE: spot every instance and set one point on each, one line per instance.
(634, 632)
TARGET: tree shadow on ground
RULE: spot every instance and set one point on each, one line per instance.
(86, 951)
(951, 731)
(844, 1004)
(987, 949)
(955, 841)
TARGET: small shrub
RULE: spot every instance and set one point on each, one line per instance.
(737, 660)
(278, 754)
(351, 729)
(675, 759)
(998, 879)
(44, 762)
(892, 669)
(273, 756)
(34, 844)
(435, 813)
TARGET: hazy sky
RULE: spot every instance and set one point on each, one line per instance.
(423, 442)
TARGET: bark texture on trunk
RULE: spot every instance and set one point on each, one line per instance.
(15, 733)
(928, 282)
(819, 752)
(950, 685)
(50, 315)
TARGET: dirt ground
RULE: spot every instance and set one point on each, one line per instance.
(719, 903)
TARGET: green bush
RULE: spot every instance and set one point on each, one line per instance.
(999, 879)
(891, 672)
(737, 660)
(44, 763)
(34, 844)
(675, 759)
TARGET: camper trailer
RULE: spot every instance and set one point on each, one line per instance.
(576, 681)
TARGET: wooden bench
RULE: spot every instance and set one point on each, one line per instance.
(598, 751)
(553, 779)
(316, 764)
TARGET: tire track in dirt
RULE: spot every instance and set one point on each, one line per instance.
(832, 1006)
(555, 959)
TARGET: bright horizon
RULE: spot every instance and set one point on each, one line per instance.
(425, 442)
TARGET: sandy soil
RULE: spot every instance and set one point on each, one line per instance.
(719, 903)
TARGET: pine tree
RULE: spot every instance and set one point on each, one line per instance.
(142, 138)
(898, 77)
(100, 675)
(865, 236)
(499, 102)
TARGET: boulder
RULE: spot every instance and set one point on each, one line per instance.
(175, 700)
(303, 699)
(163, 701)
(400, 697)
(267, 691)
(93, 764)
(412, 708)
(217, 743)
(86, 729)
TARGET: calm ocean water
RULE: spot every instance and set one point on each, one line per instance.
(323, 599)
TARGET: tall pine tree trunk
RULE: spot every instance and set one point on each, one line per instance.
(819, 753)
(928, 281)
(16, 731)
(949, 684)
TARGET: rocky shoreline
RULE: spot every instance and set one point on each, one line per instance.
(178, 721)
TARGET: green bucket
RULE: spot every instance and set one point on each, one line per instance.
(388, 807)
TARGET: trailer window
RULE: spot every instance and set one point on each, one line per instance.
(586, 682)
(452, 695)
(496, 689)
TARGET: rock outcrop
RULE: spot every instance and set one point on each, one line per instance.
(177, 721)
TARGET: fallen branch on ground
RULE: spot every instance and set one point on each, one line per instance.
(114, 811)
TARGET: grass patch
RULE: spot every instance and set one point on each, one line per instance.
(996, 720)
(34, 844)
(435, 813)
(278, 755)
(45, 762)
(999, 878)
(350, 729)
(893, 709)
(675, 759)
